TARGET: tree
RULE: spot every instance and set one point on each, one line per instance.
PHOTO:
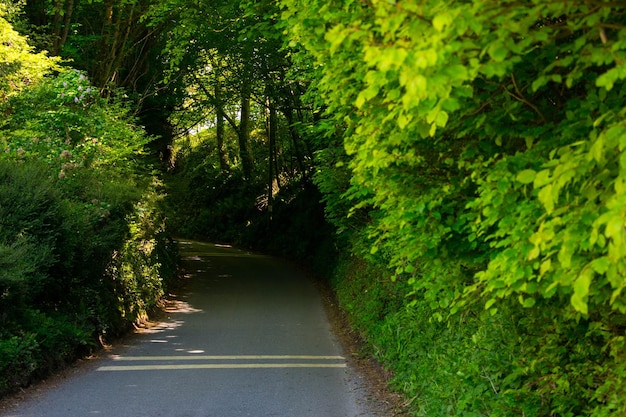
(19, 65)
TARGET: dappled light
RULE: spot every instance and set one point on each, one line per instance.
(178, 306)
(159, 327)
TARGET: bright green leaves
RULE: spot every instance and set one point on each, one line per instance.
(488, 155)
(65, 123)
(19, 65)
(581, 291)
(526, 176)
(443, 20)
(578, 240)
(336, 36)
(526, 100)
(372, 90)
(497, 52)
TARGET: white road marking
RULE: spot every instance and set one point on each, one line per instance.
(220, 366)
(225, 357)
(250, 365)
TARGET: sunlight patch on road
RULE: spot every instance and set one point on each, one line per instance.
(159, 327)
(177, 306)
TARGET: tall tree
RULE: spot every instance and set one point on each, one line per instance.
(119, 45)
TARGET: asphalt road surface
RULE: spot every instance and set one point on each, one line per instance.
(246, 336)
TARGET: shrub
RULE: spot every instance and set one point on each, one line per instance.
(82, 245)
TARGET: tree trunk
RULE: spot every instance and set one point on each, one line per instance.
(243, 132)
(56, 26)
(273, 136)
(219, 131)
(270, 177)
(66, 25)
(295, 138)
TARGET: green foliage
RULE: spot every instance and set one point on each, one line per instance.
(477, 363)
(64, 121)
(485, 144)
(206, 202)
(17, 360)
(83, 250)
(19, 65)
(27, 237)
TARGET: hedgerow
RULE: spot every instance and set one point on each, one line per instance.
(485, 143)
(83, 250)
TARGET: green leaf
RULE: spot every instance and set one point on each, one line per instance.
(545, 266)
(366, 95)
(441, 119)
(457, 72)
(526, 176)
(565, 254)
(601, 265)
(545, 197)
(581, 291)
(542, 178)
(497, 52)
(614, 226)
(441, 20)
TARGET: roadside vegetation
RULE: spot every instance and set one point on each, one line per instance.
(484, 143)
(83, 254)
(455, 170)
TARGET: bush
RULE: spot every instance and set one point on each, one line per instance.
(83, 250)
(29, 228)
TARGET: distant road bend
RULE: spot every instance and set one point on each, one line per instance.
(247, 336)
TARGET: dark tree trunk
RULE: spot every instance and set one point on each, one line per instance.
(243, 132)
(219, 132)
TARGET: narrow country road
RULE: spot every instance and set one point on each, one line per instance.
(247, 336)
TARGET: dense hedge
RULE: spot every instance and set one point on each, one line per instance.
(83, 253)
(485, 156)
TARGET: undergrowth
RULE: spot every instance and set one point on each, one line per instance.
(515, 362)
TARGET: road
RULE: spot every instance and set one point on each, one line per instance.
(246, 336)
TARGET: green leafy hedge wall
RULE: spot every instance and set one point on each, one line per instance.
(485, 144)
(83, 252)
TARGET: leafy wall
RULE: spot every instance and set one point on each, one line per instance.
(485, 144)
(83, 252)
